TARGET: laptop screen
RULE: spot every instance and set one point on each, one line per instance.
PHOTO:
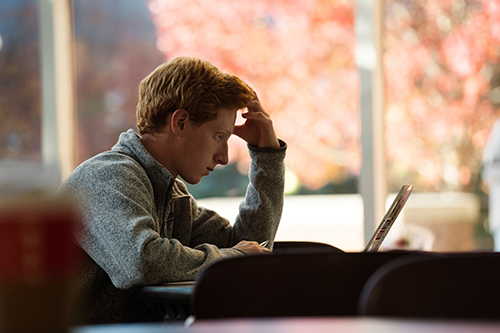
(389, 218)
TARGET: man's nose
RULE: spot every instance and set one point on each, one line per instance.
(222, 155)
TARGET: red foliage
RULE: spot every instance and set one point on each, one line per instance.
(298, 56)
(440, 68)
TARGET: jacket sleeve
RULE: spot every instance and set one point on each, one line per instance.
(120, 228)
(260, 212)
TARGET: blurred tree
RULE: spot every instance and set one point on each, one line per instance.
(115, 46)
(443, 90)
(297, 55)
(441, 73)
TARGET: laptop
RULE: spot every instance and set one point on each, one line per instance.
(389, 218)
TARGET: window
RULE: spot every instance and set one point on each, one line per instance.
(299, 58)
(440, 80)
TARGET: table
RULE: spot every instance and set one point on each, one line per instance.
(178, 293)
(310, 324)
(174, 298)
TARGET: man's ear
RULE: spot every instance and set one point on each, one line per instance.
(178, 122)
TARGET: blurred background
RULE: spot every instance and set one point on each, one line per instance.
(433, 82)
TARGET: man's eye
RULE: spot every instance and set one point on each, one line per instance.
(219, 137)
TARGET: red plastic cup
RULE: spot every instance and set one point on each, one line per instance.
(37, 264)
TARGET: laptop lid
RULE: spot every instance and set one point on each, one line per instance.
(389, 218)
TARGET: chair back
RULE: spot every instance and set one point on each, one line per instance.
(281, 247)
(454, 286)
(299, 284)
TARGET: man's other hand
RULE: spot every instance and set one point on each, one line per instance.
(252, 248)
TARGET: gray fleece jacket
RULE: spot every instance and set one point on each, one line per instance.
(140, 226)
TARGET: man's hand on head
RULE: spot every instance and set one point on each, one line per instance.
(252, 248)
(257, 130)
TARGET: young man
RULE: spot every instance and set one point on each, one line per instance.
(140, 225)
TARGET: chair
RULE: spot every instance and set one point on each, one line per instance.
(298, 284)
(455, 286)
(281, 247)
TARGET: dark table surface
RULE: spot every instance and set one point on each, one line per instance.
(173, 293)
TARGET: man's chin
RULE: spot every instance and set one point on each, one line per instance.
(191, 181)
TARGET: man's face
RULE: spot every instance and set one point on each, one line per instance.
(206, 146)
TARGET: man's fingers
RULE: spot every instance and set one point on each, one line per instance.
(255, 106)
(256, 115)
